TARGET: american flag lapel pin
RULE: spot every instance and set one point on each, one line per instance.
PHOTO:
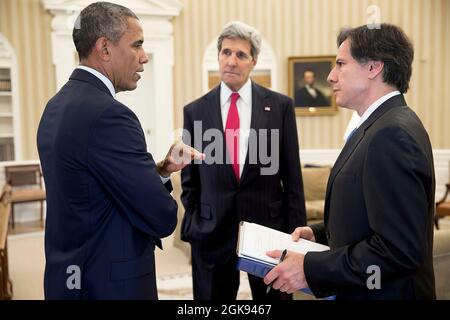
(268, 108)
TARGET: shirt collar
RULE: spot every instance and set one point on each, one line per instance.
(102, 78)
(374, 106)
(245, 93)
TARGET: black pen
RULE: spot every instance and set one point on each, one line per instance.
(283, 255)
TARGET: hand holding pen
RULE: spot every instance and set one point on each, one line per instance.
(283, 255)
(288, 276)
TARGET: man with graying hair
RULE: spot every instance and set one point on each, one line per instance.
(237, 187)
(108, 203)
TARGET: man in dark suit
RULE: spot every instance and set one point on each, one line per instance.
(107, 205)
(380, 197)
(235, 183)
(308, 95)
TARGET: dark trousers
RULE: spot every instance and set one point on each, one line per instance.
(220, 282)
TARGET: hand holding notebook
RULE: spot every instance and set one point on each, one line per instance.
(256, 240)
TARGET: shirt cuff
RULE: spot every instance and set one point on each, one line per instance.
(164, 179)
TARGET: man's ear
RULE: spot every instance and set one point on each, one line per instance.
(255, 61)
(375, 68)
(102, 48)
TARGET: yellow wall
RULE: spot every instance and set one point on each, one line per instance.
(292, 27)
(309, 27)
(27, 27)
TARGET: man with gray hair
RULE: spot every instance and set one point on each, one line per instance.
(108, 203)
(236, 187)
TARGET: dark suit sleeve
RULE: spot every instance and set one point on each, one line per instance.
(290, 171)
(190, 178)
(319, 231)
(395, 178)
(118, 159)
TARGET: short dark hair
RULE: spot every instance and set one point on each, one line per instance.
(99, 19)
(388, 44)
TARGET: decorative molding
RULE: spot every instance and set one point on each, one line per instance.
(8, 59)
(5, 52)
(160, 12)
(319, 156)
(162, 8)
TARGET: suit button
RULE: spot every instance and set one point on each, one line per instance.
(327, 233)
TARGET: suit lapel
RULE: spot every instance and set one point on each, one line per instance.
(213, 109)
(358, 135)
(214, 114)
(257, 122)
(346, 152)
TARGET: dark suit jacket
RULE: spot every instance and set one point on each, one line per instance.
(106, 204)
(304, 99)
(379, 211)
(214, 200)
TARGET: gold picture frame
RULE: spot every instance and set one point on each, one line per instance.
(317, 98)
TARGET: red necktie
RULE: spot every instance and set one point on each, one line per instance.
(232, 134)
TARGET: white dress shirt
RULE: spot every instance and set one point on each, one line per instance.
(244, 106)
(102, 78)
(374, 106)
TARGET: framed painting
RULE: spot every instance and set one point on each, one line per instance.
(308, 85)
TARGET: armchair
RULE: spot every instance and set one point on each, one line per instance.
(5, 208)
(442, 207)
(315, 181)
(26, 186)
